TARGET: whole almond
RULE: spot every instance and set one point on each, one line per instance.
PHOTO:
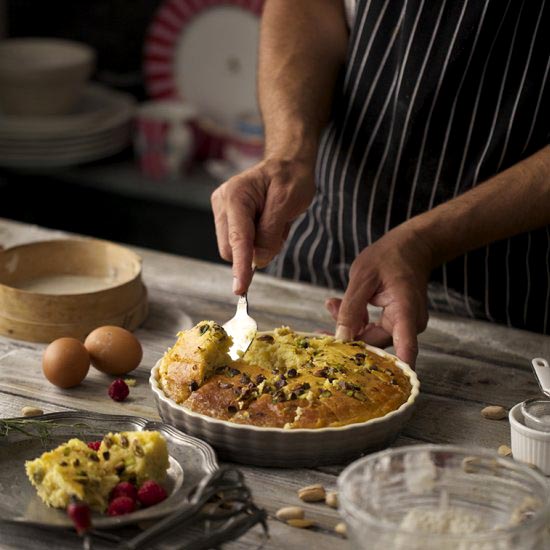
(290, 512)
(301, 523)
(31, 411)
(341, 529)
(494, 412)
(331, 499)
(504, 450)
(312, 493)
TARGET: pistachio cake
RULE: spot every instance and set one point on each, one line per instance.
(284, 380)
(135, 456)
(193, 358)
(75, 470)
(71, 470)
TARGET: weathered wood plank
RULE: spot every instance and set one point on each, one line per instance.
(14, 537)
(90, 395)
(474, 379)
(441, 420)
(444, 420)
(18, 537)
(11, 405)
(284, 536)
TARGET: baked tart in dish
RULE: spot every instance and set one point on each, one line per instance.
(285, 380)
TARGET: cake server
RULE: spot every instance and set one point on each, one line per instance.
(242, 328)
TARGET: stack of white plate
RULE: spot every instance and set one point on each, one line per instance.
(98, 127)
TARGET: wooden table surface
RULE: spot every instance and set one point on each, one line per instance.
(463, 365)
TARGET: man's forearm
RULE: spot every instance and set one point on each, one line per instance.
(302, 49)
(512, 202)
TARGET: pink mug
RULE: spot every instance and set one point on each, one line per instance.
(163, 140)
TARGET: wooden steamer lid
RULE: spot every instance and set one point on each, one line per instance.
(42, 316)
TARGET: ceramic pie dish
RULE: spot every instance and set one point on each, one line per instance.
(267, 446)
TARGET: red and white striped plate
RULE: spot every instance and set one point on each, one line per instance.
(204, 52)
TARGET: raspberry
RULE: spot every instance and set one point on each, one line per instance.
(118, 390)
(124, 489)
(94, 445)
(79, 512)
(151, 493)
(120, 506)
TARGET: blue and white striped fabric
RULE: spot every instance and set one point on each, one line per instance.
(436, 98)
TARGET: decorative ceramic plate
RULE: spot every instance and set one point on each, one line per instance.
(293, 447)
(190, 461)
(100, 109)
(204, 52)
(98, 127)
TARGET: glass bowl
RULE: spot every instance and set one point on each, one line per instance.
(445, 497)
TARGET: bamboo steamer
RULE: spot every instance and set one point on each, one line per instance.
(28, 312)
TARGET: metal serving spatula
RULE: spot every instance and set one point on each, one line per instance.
(242, 328)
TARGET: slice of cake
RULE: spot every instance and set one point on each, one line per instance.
(197, 353)
(134, 456)
(71, 470)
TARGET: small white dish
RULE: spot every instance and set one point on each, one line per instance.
(528, 444)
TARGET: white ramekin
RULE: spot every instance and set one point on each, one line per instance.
(529, 445)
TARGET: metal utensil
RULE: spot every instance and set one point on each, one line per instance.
(536, 411)
(242, 329)
(542, 374)
(222, 500)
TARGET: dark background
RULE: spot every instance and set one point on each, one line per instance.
(165, 216)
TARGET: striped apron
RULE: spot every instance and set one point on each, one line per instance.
(435, 98)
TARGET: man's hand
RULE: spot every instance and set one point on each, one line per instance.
(392, 274)
(253, 212)
(303, 47)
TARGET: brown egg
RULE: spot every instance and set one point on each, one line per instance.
(113, 350)
(65, 362)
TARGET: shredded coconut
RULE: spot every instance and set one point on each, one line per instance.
(452, 521)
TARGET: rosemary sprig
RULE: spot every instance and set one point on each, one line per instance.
(41, 429)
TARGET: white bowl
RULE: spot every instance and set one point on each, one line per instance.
(289, 448)
(529, 445)
(42, 76)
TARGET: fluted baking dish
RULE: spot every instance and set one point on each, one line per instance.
(290, 447)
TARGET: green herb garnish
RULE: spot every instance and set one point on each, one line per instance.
(40, 429)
